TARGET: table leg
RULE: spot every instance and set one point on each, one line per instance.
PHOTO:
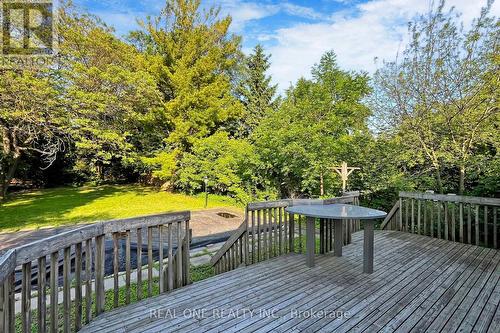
(368, 248)
(338, 237)
(310, 241)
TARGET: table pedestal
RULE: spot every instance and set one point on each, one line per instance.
(338, 240)
(310, 240)
(368, 247)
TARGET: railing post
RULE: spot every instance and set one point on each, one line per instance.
(247, 245)
(187, 240)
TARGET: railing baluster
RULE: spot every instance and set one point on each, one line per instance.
(264, 236)
(99, 273)
(42, 295)
(258, 236)
(179, 255)
(285, 232)
(247, 240)
(187, 253)
(407, 215)
(477, 224)
(495, 235)
(281, 217)
(271, 229)
(26, 297)
(9, 303)
(54, 291)
(419, 203)
(88, 281)
(139, 263)
(78, 286)
(67, 290)
(461, 222)
(439, 219)
(160, 258)
(275, 226)
(252, 214)
(170, 267)
(116, 269)
(300, 233)
(453, 221)
(150, 261)
(127, 266)
(291, 231)
(3, 315)
(446, 221)
(485, 225)
(400, 214)
(321, 236)
(469, 224)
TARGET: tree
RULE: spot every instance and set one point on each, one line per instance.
(199, 59)
(229, 164)
(442, 96)
(111, 92)
(313, 129)
(32, 120)
(256, 91)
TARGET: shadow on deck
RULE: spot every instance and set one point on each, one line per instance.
(419, 284)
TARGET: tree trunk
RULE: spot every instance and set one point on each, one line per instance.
(321, 184)
(9, 175)
(461, 183)
(438, 179)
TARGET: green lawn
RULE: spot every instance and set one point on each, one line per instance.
(67, 206)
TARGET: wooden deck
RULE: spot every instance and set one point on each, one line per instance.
(419, 284)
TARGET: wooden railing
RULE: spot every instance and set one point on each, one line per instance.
(269, 231)
(82, 254)
(464, 219)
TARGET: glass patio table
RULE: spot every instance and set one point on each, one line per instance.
(338, 213)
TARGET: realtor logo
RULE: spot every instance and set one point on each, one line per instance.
(27, 27)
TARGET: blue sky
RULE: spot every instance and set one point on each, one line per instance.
(298, 32)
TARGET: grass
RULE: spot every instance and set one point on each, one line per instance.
(73, 205)
(198, 273)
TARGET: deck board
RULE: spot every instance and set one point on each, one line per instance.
(419, 284)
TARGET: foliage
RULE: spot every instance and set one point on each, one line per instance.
(32, 120)
(178, 101)
(109, 91)
(199, 57)
(255, 91)
(314, 127)
(441, 98)
(229, 164)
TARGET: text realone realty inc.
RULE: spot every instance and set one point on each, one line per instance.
(244, 313)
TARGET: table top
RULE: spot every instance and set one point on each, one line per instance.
(337, 211)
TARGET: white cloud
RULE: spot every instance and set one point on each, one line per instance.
(377, 28)
(243, 12)
(301, 11)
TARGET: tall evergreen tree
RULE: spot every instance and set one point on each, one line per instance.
(199, 61)
(200, 57)
(256, 91)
